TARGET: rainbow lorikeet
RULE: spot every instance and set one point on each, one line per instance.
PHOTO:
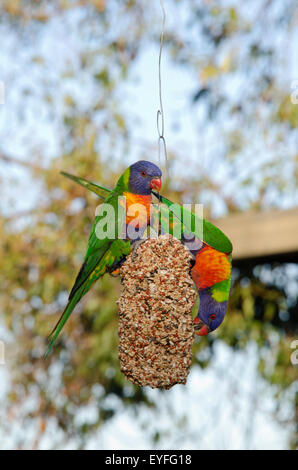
(211, 250)
(105, 250)
(212, 262)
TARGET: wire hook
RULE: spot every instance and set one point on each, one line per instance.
(160, 113)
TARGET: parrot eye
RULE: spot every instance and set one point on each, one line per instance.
(213, 316)
(143, 173)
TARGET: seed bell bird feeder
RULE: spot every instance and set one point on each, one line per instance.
(155, 314)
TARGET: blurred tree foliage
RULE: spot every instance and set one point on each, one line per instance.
(227, 48)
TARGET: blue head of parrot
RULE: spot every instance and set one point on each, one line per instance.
(144, 177)
(210, 315)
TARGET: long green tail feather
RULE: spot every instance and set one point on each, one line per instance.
(101, 191)
(63, 319)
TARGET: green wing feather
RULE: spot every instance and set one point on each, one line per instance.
(203, 229)
(101, 191)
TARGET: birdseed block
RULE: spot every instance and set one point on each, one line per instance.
(155, 314)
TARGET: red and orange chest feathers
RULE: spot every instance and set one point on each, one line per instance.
(137, 208)
(211, 266)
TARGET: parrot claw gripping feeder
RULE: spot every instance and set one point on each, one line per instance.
(156, 329)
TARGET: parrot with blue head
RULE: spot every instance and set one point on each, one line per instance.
(105, 252)
(211, 273)
(211, 265)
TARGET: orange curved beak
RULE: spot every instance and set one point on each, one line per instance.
(203, 331)
(200, 328)
(155, 183)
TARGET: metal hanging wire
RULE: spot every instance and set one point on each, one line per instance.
(160, 113)
(160, 122)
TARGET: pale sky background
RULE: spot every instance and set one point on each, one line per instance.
(227, 405)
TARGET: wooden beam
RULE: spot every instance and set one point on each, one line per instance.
(265, 235)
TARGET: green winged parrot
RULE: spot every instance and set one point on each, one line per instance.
(113, 231)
